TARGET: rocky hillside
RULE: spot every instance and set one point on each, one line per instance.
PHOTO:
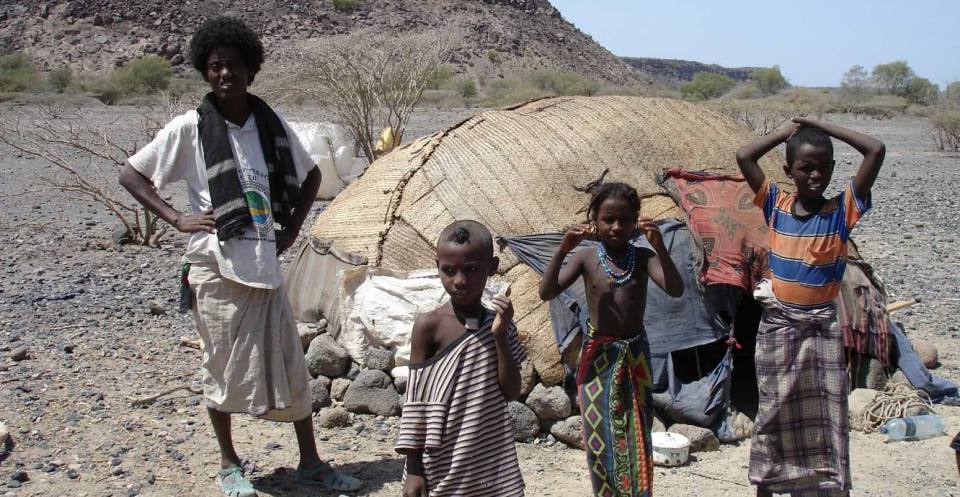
(502, 36)
(672, 72)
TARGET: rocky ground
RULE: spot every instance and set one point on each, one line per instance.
(99, 326)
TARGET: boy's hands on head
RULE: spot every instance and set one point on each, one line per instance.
(503, 306)
(576, 234)
(193, 223)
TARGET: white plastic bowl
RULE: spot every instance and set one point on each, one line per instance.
(670, 449)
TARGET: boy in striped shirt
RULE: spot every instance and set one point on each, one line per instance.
(800, 444)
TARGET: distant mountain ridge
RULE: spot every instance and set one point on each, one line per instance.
(502, 36)
(672, 72)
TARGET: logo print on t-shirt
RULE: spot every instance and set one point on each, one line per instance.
(259, 211)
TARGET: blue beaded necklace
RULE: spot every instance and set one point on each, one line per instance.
(629, 261)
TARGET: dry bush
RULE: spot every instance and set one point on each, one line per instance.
(88, 157)
(876, 107)
(764, 115)
(946, 129)
(369, 80)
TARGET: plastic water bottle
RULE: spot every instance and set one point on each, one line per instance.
(913, 427)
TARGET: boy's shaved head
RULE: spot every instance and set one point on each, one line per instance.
(467, 232)
(810, 136)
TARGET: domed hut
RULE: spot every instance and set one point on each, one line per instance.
(526, 169)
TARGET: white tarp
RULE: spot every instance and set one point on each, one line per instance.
(377, 308)
(334, 150)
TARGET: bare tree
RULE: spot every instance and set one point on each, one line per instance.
(88, 156)
(370, 81)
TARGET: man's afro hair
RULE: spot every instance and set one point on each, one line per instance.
(230, 32)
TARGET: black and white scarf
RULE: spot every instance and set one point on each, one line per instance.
(229, 203)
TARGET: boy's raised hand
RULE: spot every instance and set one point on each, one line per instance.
(574, 235)
(504, 309)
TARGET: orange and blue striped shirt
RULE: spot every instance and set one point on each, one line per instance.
(808, 254)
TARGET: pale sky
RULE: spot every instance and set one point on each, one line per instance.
(813, 41)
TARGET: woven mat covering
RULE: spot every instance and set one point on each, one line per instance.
(518, 171)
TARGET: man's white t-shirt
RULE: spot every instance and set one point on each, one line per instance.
(176, 154)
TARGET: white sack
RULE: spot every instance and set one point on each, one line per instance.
(378, 306)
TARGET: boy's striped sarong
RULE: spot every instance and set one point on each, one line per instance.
(800, 443)
(616, 406)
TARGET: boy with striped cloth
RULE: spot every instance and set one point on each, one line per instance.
(800, 444)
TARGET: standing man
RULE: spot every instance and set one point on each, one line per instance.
(246, 174)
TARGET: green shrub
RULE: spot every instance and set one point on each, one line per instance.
(144, 76)
(564, 83)
(878, 107)
(17, 73)
(769, 80)
(345, 4)
(922, 91)
(439, 78)
(60, 79)
(467, 88)
(706, 85)
(893, 78)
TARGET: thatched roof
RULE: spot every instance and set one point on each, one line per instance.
(521, 170)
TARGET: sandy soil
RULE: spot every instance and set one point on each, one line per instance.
(82, 307)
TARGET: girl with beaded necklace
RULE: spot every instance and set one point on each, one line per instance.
(613, 379)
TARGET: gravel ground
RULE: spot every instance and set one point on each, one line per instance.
(100, 326)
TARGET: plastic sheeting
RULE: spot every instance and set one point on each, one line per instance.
(377, 308)
(334, 150)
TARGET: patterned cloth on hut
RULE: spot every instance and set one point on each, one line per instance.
(862, 312)
(616, 406)
(731, 229)
(800, 443)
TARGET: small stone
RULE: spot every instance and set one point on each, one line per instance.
(569, 431)
(379, 359)
(319, 392)
(156, 309)
(353, 371)
(177, 59)
(549, 403)
(272, 446)
(528, 378)
(928, 353)
(73, 475)
(372, 393)
(116, 461)
(701, 439)
(20, 476)
(326, 357)
(339, 388)
(20, 354)
(657, 425)
(400, 383)
(334, 417)
(13, 484)
(150, 479)
(526, 426)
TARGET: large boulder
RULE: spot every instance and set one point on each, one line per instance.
(701, 439)
(326, 357)
(308, 332)
(569, 431)
(372, 393)
(549, 403)
(379, 359)
(319, 392)
(526, 426)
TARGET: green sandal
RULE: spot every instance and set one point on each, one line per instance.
(323, 475)
(232, 483)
